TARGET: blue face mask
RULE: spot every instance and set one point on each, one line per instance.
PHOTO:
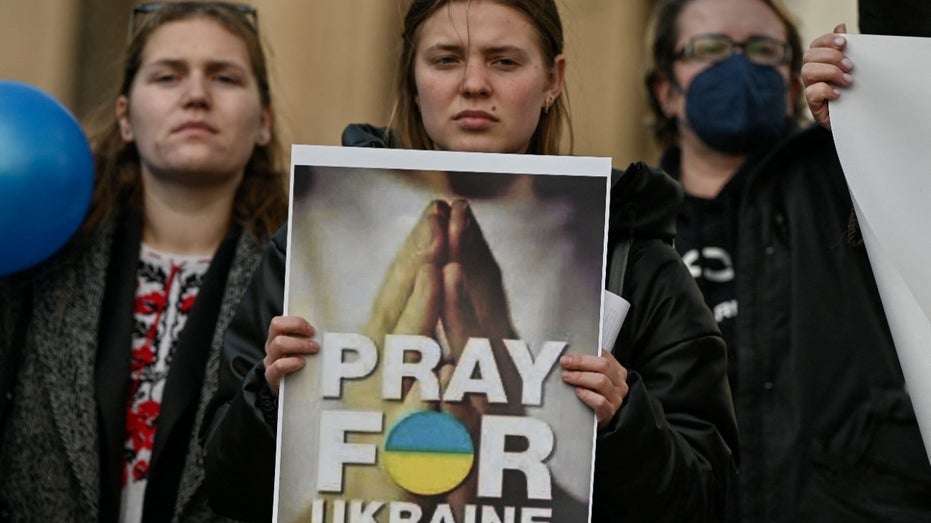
(736, 106)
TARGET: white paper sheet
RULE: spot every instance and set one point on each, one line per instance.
(615, 311)
(882, 129)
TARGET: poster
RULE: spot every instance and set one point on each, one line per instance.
(882, 131)
(443, 288)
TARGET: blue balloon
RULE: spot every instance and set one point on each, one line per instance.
(46, 176)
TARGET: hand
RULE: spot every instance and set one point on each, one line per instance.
(445, 275)
(409, 299)
(825, 68)
(287, 344)
(407, 302)
(600, 381)
(474, 300)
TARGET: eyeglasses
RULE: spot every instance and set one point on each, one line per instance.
(758, 49)
(142, 10)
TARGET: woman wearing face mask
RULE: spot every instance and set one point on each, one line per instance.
(724, 89)
(827, 429)
(114, 341)
(487, 76)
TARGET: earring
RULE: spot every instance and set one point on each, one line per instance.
(126, 132)
(547, 103)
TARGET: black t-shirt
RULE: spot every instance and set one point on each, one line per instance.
(706, 238)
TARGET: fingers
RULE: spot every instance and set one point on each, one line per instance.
(818, 97)
(459, 320)
(832, 40)
(287, 343)
(827, 64)
(426, 244)
(825, 69)
(421, 311)
(478, 273)
(475, 303)
(600, 381)
(828, 73)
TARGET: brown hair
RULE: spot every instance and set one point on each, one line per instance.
(663, 37)
(260, 204)
(406, 118)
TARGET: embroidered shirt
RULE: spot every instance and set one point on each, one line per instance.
(166, 287)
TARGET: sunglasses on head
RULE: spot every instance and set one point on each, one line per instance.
(142, 10)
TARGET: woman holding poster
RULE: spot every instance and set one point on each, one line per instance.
(488, 76)
(112, 349)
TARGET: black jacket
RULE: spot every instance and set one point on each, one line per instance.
(826, 426)
(665, 456)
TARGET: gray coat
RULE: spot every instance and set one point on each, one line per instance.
(50, 463)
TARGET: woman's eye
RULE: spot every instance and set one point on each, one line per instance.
(445, 60)
(506, 62)
(228, 79)
(165, 78)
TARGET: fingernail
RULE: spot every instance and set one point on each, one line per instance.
(565, 360)
(839, 41)
(836, 92)
(848, 79)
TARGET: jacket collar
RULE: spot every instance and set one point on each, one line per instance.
(67, 305)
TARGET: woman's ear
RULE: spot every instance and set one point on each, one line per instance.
(122, 118)
(264, 135)
(557, 78)
(664, 93)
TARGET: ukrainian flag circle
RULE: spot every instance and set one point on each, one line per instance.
(428, 452)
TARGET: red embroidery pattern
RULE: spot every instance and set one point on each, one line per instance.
(166, 288)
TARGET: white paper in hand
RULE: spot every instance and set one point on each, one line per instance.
(615, 310)
(881, 126)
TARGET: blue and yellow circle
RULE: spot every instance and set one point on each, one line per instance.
(428, 452)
